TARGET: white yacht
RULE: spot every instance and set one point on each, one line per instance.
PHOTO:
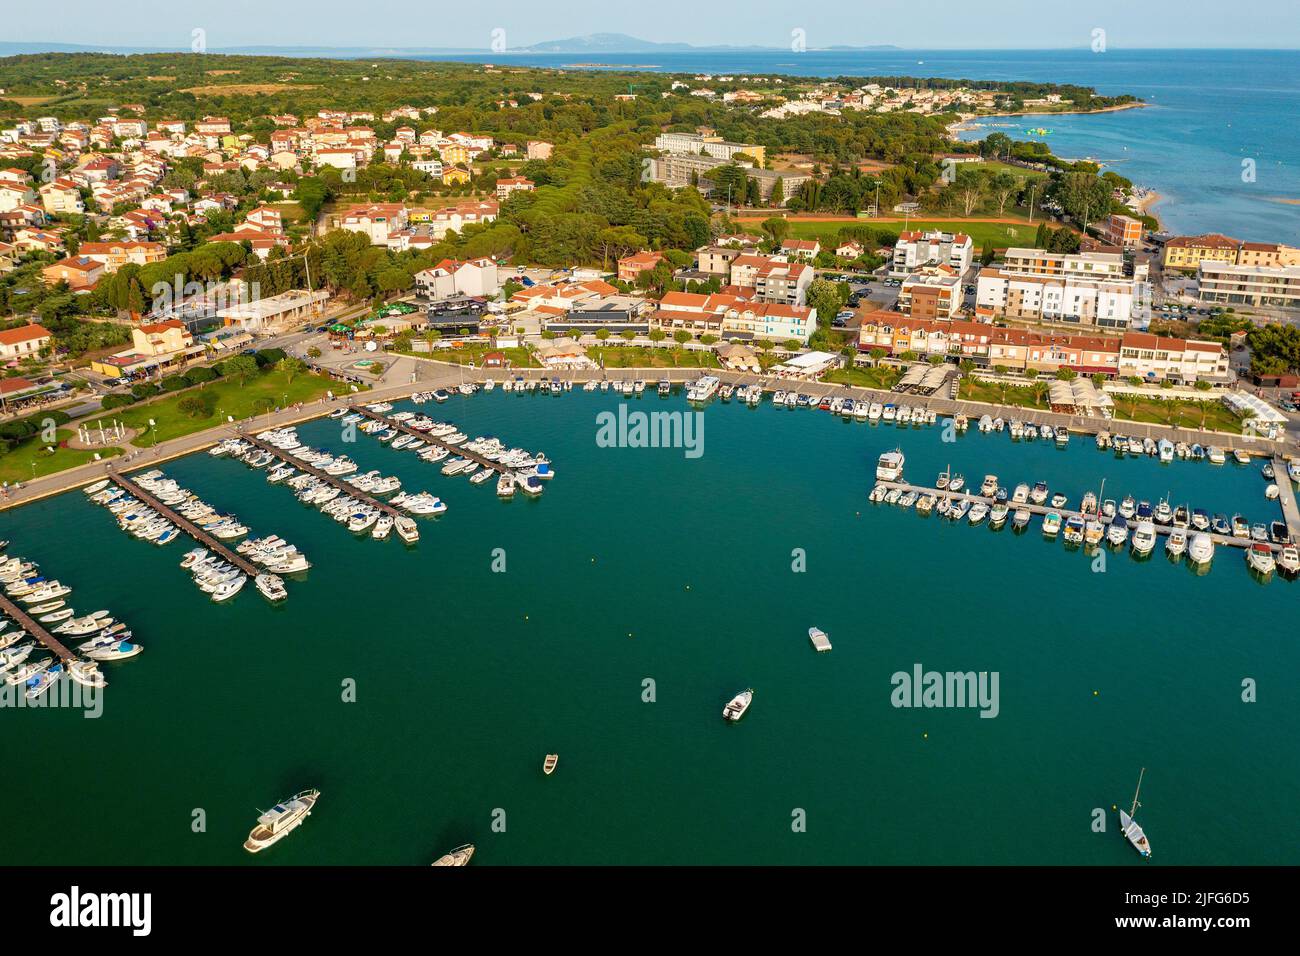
(281, 820)
(890, 465)
(1201, 549)
(703, 388)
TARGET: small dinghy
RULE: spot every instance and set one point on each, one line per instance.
(548, 766)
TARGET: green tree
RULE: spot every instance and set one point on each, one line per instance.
(240, 367)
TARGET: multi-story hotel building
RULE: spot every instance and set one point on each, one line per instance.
(1249, 285)
(916, 250)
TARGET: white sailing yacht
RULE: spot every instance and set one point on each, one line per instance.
(1129, 827)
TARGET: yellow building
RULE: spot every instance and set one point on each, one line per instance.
(1187, 252)
(161, 338)
(454, 153)
(455, 176)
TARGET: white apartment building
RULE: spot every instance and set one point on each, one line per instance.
(916, 250)
(1156, 358)
(1249, 285)
(718, 148)
(1108, 304)
(1086, 265)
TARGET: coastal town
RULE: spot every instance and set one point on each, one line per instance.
(228, 279)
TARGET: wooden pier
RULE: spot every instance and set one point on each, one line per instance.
(1040, 510)
(425, 436)
(29, 624)
(189, 527)
(1286, 497)
(335, 480)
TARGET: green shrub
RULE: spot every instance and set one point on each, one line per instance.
(268, 357)
(116, 401)
(200, 374)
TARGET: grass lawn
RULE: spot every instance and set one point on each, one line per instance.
(1000, 234)
(996, 166)
(16, 465)
(977, 390)
(878, 376)
(1181, 414)
(519, 358)
(627, 356)
(262, 393)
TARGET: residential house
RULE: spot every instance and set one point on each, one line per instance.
(803, 249)
(79, 272)
(376, 221)
(451, 278)
(513, 184)
(23, 342)
(114, 255)
(631, 267)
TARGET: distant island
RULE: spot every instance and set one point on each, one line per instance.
(590, 43)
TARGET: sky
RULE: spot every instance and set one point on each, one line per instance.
(930, 24)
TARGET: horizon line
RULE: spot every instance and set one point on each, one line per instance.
(704, 48)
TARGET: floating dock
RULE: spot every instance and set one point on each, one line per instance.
(28, 624)
(189, 527)
(1040, 510)
(425, 436)
(335, 480)
(1286, 497)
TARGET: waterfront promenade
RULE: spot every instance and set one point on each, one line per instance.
(410, 375)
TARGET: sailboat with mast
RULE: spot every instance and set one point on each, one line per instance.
(1129, 827)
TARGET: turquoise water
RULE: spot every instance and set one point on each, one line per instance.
(641, 563)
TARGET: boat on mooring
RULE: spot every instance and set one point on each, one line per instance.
(738, 705)
(457, 857)
(281, 820)
(1129, 826)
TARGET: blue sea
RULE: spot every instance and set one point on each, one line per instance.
(1210, 110)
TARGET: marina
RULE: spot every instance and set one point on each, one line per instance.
(566, 638)
(204, 538)
(344, 488)
(35, 630)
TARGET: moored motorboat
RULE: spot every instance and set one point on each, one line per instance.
(281, 820)
(1200, 550)
(1259, 557)
(738, 705)
(1144, 538)
(457, 857)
